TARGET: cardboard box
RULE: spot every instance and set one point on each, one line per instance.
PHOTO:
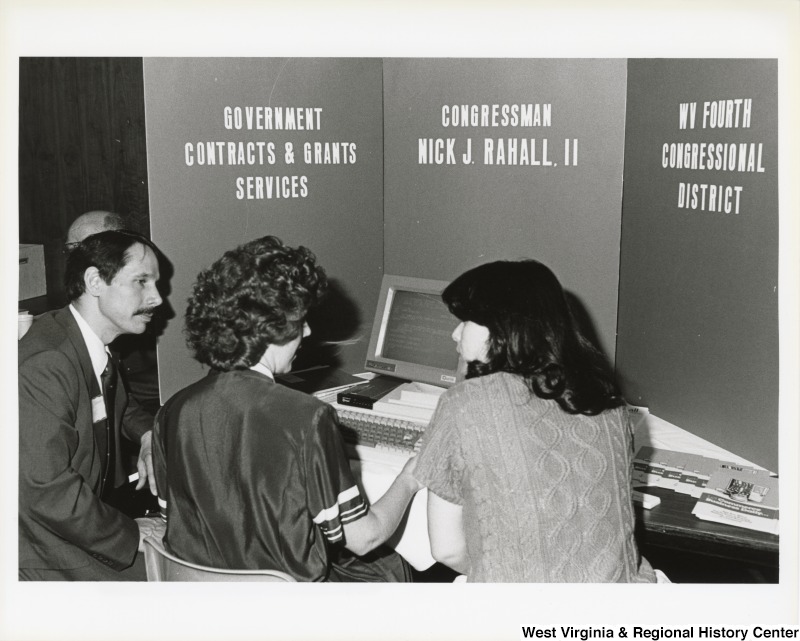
(32, 281)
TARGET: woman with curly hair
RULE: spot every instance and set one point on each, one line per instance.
(253, 475)
(528, 460)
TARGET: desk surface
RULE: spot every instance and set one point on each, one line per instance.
(671, 524)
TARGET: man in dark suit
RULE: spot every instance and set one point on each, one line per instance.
(71, 422)
(136, 353)
(136, 356)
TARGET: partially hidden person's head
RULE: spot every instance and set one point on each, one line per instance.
(111, 278)
(90, 223)
(516, 318)
(251, 306)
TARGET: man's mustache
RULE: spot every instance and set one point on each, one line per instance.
(144, 310)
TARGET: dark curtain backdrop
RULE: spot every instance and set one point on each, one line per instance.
(81, 147)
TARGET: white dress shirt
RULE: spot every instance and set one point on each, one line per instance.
(97, 350)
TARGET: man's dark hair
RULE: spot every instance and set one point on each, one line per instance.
(254, 296)
(533, 333)
(107, 250)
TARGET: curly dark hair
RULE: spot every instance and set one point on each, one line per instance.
(254, 296)
(533, 333)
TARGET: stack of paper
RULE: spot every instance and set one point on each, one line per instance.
(411, 400)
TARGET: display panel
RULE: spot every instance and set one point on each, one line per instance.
(411, 334)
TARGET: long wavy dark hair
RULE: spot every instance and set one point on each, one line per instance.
(533, 333)
(254, 296)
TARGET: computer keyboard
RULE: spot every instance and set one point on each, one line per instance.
(370, 430)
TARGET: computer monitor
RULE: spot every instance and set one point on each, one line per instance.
(411, 333)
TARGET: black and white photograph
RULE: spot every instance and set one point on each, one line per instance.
(486, 314)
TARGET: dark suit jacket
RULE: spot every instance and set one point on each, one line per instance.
(62, 454)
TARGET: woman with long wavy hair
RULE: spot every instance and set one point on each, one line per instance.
(528, 460)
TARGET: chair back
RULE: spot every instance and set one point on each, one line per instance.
(164, 566)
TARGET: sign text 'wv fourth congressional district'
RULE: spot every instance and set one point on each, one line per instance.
(714, 157)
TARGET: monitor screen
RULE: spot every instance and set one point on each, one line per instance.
(411, 334)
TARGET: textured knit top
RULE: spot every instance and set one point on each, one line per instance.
(546, 495)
